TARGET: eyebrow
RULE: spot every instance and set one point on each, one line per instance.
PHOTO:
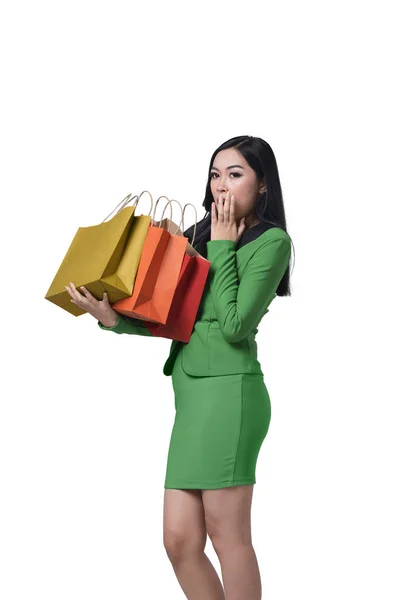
(231, 167)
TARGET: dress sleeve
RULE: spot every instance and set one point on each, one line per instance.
(126, 324)
(240, 306)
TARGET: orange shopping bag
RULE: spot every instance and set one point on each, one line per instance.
(158, 272)
(187, 297)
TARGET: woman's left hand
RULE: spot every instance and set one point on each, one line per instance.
(223, 223)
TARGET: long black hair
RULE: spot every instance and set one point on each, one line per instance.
(269, 207)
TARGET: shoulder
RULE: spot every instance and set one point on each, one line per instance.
(275, 233)
(273, 237)
(271, 250)
(260, 233)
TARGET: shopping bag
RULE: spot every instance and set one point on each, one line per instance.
(103, 258)
(158, 272)
(186, 302)
(187, 297)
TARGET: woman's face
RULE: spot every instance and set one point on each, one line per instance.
(231, 172)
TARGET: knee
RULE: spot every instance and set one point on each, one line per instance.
(219, 541)
(217, 534)
(224, 543)
(225, 538)
(174, 544)
(180, 545)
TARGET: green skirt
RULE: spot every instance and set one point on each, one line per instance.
(220, 424)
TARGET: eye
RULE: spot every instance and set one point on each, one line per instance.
(233, 173)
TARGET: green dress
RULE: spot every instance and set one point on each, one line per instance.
(222, 405)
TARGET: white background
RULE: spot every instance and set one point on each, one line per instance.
(103, 99)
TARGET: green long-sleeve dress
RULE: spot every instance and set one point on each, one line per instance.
(222, 405)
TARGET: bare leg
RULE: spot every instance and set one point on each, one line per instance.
(185, 538)
(228, 523)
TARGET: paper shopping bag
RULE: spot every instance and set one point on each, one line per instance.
(103, 258)
(188, 294)
(186, 301)
(157, 274)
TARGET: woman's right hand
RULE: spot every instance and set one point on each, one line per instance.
(99, 309)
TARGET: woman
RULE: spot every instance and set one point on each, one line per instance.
(222, 404)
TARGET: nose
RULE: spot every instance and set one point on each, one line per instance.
(221, 188)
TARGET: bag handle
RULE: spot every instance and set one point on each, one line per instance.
(195, 223)
(155, 208)
(126, 201)
(180, 206)
(151, 200)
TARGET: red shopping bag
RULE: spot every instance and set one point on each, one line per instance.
(188, 293)
(186, 300)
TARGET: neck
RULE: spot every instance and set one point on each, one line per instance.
(250, 221)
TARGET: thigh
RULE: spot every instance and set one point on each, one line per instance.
(184, 525)
(228, 514)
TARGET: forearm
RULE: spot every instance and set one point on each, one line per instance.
(241, 305)
(128, 325)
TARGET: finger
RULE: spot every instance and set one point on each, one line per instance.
(213, 214)
(105, 298)
(78, 298)
(88, 295)
(232, 210)
(78, 293)
(220, 210)
(227, 208)
(72, 290)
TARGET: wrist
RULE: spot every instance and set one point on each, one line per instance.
(110, 321)
(222, 240)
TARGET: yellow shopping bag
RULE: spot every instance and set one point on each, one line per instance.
(103, 258)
